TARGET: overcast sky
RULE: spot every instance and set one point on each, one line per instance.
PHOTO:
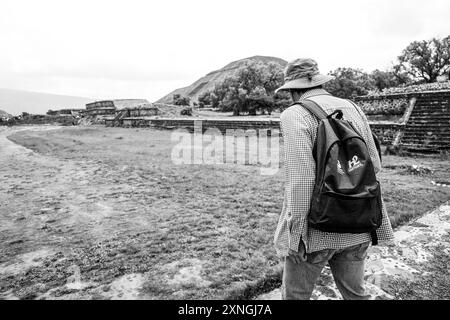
(145, 49)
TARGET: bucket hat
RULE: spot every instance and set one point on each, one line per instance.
(303, 74)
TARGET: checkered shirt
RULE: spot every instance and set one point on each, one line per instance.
(299, 129)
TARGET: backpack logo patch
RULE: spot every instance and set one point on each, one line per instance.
(354, 164)
(339, 168)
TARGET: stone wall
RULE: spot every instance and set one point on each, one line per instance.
(385, 107)
(143, 112)
(101, 111)
(64, 120)
(385, 131)
(387, 115)
(100, 104)
(189, 123)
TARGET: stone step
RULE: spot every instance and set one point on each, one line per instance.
(419, 125)
(442, 132)
(431, 108)
(426, 125)
(425, 142)
(426, 135)
(417, 137)
(418, 112)
(436, 120)
(432, 102)
(437, 115)
(428, 101)
(426, 130)
(424, 113)
(419, 145)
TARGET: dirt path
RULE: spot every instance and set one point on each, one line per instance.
(396, 272)
(44, 196)
(50, 212)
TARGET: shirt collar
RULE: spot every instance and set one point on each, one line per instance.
(313, 92)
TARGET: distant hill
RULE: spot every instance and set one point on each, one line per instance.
(17, 101)
(5, 114)
(208, 82)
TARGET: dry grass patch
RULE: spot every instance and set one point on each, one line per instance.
(195, 231)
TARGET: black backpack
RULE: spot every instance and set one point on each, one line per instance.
(347, 195)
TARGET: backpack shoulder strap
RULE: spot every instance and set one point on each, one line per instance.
(317, 111)
(313, 108)
(375, 138)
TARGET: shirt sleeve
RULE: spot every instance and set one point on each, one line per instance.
(300, 168)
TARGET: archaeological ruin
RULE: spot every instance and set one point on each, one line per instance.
(415, 122)
(410, 122)
(101, 111)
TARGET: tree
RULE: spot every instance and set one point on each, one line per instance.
(388, 79)
(180, 100)
(349, 82)
(250, 91)
(425, 60)
(204, 99)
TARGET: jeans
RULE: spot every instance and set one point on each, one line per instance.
(347, 267)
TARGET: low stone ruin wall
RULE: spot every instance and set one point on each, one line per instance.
(387, 114)
(385, 131)
(143, 112)
(188, 123)
(46, 119)
(385, 107)
(101, 112)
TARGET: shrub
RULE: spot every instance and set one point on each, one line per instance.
(186, 112)
(179, 100)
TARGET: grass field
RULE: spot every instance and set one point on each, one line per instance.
(115, 204)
